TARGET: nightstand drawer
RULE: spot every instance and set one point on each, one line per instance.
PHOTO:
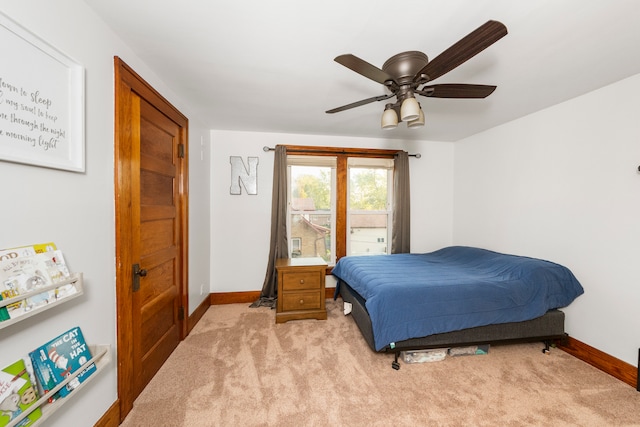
(301, 280)
(301, 301)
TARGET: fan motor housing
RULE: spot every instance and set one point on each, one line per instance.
(404, 66)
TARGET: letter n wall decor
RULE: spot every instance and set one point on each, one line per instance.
(241, 174)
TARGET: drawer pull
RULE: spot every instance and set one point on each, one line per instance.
(302, 281)
(301, 301)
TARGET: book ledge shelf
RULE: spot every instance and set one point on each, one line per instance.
(76, 279)
(98, 351)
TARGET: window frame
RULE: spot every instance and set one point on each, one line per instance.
(342, 182)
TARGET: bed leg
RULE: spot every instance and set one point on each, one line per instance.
(395, 365)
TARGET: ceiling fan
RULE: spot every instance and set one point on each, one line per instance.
(405, 74)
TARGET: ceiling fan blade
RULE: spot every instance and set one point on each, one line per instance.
(465, 49)
(359, 103)
(362, 67)
(454, 90)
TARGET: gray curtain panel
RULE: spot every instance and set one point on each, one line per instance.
(279, 245)
(400, 235)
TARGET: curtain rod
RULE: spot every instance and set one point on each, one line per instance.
(311, 150)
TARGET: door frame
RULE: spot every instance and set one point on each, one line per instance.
(127, 80)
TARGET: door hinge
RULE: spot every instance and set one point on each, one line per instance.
(181, 151)
(181, 313)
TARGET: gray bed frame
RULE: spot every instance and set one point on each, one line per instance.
(547, 329)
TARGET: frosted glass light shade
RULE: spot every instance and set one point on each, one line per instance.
(419, 122)
(410, 109)
(389, 119)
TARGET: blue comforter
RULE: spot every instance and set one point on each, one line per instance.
(415, 295)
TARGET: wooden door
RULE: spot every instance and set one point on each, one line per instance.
(151, 177)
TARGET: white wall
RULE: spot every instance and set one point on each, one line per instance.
(199, 214)
(240, 224)
(76, 210)
(562, 184)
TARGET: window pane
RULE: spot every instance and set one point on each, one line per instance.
(368, 189)
(369, 204)
(368, 234)
(310, 188)
(311, 213)
(310, 236)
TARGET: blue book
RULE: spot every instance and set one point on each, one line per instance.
(59, 358)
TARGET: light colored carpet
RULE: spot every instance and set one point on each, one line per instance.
(238, 368)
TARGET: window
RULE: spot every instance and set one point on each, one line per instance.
(311, 206)
(369, 205)
(339, 203)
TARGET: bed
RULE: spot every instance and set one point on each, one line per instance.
(455, 296)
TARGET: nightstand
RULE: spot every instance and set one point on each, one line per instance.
(301, 293)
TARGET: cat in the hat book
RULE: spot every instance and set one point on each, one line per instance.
(59, 358)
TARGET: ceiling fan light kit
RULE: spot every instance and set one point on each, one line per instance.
(389, 118)
(410, 110)
(417, 123)
(405, 74)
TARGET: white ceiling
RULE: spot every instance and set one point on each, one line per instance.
(267, 65)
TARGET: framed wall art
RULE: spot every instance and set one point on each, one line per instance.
(41, 102)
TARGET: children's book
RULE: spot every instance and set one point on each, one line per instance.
(27, 273)
(26, 250)
(17, 393)
(4, 313)
(62, 356)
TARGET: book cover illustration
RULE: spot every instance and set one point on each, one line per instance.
(17, 393)
(64, 355)
(26, 250)
(4, 313)
(22, 274)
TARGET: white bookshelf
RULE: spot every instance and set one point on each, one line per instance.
(100, 358)
(100, 353)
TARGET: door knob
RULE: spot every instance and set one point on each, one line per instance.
(137, 274)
